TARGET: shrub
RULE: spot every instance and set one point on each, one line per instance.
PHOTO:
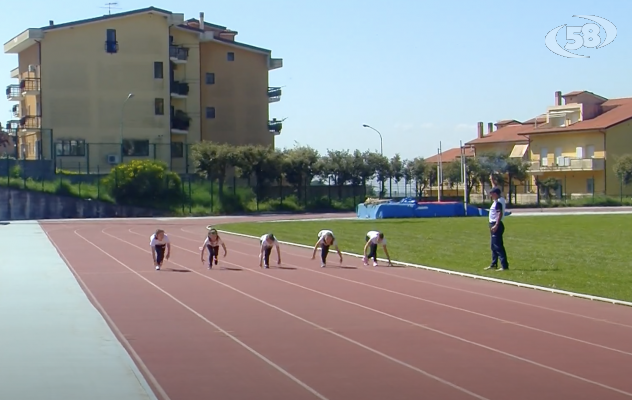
(144, 182)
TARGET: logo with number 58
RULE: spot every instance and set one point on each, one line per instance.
(595, 35)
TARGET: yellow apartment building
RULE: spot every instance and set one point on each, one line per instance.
(140, 84)
(579, 141)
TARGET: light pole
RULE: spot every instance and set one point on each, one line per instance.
(381, 150)
(378, 132)
(129, 96)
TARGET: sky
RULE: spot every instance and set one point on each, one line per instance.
(422, 73)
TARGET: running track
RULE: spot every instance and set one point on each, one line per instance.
(339, 333)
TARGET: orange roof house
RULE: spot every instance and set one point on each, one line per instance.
(450, 155)
(578, 142)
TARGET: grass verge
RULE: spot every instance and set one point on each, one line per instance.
(588, 254)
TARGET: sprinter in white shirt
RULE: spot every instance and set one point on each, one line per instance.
(325, 240)
(374, 239)
(212, 243)
(267, 242)
(497, 229)
(159, 242)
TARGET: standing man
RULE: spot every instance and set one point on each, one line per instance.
(497, 229)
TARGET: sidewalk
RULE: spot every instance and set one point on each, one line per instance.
(53, 343)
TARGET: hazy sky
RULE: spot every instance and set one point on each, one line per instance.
(421, 72)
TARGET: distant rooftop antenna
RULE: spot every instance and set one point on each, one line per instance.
(110, 7)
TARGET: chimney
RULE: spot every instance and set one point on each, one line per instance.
(51, 23)
(490, 127)
(558, 98)
(480, 129)
(202, 21)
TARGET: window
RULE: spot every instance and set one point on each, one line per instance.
(159, 106)
(111, 45)
(230, 56)
(177, 150)
(210, 78)
(70, 148)
(590, 185)
(158, 70)
(210, 112)
(135, 148)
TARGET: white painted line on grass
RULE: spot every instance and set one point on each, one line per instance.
(463, 274)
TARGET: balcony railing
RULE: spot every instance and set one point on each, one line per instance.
(30, 85)
(111, 46)
(275, 126)
(12, 127)
(274, 94)
(179, 88)
(14, 92)
(568, 164)
(31, 122)
(178, 53)
(180, 121)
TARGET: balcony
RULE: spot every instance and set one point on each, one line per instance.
(274, 94)
(111, 46)
(30, 86)
(567, 164)
(14, 93)
(31, 124)
(275, 126)
(179, 90)
(275, 63)
(12, 127)
(15, 110)
(180, 123)
(178, 54)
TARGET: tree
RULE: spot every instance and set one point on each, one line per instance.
(518, 170)
(212, 161)
(548, 186)
(453, 173)
(623, 168)
(381, 167)
(396, 172)
(299, 165)
(264, 163)
(338, 165)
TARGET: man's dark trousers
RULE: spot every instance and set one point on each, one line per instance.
(498, 246)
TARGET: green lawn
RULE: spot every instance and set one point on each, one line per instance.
(589, 254)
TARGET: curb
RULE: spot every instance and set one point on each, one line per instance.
(463, 274)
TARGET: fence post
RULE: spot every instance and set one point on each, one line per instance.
(281, 190)
(190, 200)
(183, 195)
(87, 148)
(212, 196)
(98, 183)
(621, 192)
(329, 190)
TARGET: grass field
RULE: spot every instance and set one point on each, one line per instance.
(588, 254)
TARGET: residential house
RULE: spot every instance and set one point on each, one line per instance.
(446, 157)
(579, 141)
(140, 84)
(506, 140)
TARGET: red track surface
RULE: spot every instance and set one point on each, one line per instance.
(338, 333)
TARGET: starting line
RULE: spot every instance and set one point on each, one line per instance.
(463, 274)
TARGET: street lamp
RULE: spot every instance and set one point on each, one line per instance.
(129, 96)
(378, 132)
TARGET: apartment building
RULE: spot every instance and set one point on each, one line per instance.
(576, 143)
(138, 84)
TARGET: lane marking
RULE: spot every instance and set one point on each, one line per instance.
(463, 274)
(365, 347)
(568, 374)
(501, 320)
(203, 318)
(115, 329)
